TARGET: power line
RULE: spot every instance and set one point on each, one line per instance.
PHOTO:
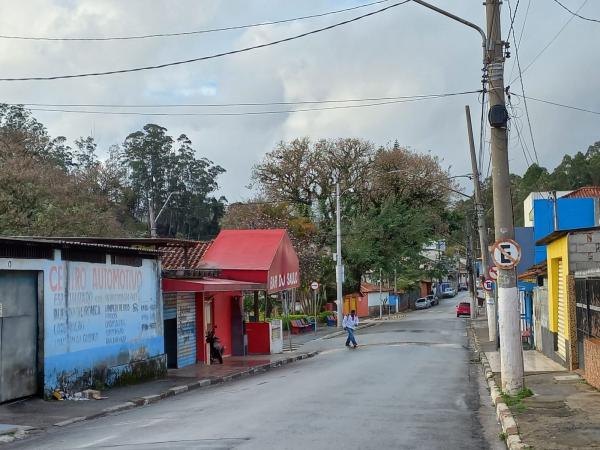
(512, 70)
(204, 58)
(188, 33)
(521, 79)
(245, 113)
(541, 52)
(576, 14)
(562, 105)
(239, 104)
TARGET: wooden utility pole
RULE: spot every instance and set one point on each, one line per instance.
(511, 352)
(490, 304)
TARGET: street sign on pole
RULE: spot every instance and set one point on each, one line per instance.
(493, 272)
(314, 285)
(506, 254)
(488, 285)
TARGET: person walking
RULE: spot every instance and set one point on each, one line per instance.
(350, 323)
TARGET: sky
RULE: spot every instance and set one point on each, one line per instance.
(407, 50)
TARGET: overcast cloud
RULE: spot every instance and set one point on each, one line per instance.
(405, 51)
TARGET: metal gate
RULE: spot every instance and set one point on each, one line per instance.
(562, 312)
(587, 294)
(18, 334)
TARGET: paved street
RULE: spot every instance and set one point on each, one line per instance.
(409, 385)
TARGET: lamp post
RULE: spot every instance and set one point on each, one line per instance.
(339, 269)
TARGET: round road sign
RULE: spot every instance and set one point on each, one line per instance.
(314, 285)
(493, 272)
(506, 254)
(488, 285)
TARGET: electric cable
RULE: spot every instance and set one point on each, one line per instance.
(576, 14)
(189, 33)
(205, 58)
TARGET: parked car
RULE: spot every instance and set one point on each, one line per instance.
(463, 309)
(433, 299)
(422, 303)
(448, 292)
(463, 287)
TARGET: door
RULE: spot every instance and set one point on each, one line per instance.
(171, 342)
(562, 313)
(237, 326)
(18, 334)
(208, 323)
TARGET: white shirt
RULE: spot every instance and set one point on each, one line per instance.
(349, 322)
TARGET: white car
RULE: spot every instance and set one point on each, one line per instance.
(422, 303)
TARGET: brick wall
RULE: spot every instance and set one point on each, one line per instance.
(591, 351)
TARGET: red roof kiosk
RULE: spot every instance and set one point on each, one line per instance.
(264, 257)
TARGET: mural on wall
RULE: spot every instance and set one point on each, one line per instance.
(99, 317)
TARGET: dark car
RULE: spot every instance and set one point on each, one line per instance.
(433, 299)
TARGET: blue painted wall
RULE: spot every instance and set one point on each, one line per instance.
(524, 237)
(572, 213)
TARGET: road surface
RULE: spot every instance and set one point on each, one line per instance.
(409, 385)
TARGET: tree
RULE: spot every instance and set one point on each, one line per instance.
(155, 170)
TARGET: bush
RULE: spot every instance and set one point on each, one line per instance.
(324, 315)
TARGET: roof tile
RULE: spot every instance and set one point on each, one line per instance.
(184, 257)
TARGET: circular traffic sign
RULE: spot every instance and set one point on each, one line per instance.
(493, 272)
(314, 285)
(506, 253)
(488, 285)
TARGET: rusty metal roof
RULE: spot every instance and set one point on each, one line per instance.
(67, 243)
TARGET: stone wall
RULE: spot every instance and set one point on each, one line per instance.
(592, 361)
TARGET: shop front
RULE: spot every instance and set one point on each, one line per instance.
(266, 258)
(192, 307)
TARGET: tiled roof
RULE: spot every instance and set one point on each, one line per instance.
(368, 287)
(535, 271)
(585, 192)
(174, 257)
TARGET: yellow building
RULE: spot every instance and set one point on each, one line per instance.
(557, 253)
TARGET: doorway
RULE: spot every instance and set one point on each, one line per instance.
(18, 334)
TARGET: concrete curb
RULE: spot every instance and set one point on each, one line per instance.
(503, 413)
(360, 327)
(171, 392)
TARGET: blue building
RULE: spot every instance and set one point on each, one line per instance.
(571, 213)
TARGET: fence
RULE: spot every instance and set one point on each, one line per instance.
(587, 294)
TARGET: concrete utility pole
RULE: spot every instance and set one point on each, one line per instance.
(470, 255)
(483, 234)
(511, 351)
(396, 291)
(338, 257)
(380, 296)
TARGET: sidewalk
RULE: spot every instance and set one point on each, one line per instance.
(35, 414)
(563, 413)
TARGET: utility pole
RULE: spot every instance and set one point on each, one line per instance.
(511, 351)
(396, 291)
(380, 297)
(470, 257)
(490, 304)
(339, 269)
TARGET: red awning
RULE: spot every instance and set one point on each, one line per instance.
(259, 256)
(208, 285)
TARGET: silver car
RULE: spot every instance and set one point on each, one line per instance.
(422, 303)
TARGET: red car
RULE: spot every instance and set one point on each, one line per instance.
(463, 309)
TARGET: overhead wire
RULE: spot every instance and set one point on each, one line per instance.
(541, 52)
(208, 57)
(521, 78)
(512, 70)
(193, 32)
(237, 104)
(562, 105)
(246, 113)
(576, 14)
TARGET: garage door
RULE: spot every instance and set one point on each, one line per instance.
(562, 312)
(18, 334)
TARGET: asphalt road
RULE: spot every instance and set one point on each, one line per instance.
(409, 385)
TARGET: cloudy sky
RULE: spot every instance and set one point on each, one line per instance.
(407, 50)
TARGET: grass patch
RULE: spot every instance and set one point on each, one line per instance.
(502, 436)
(516, 401)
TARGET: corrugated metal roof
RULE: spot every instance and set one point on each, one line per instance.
(62, 243)
(560, 233)
(585, 192)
